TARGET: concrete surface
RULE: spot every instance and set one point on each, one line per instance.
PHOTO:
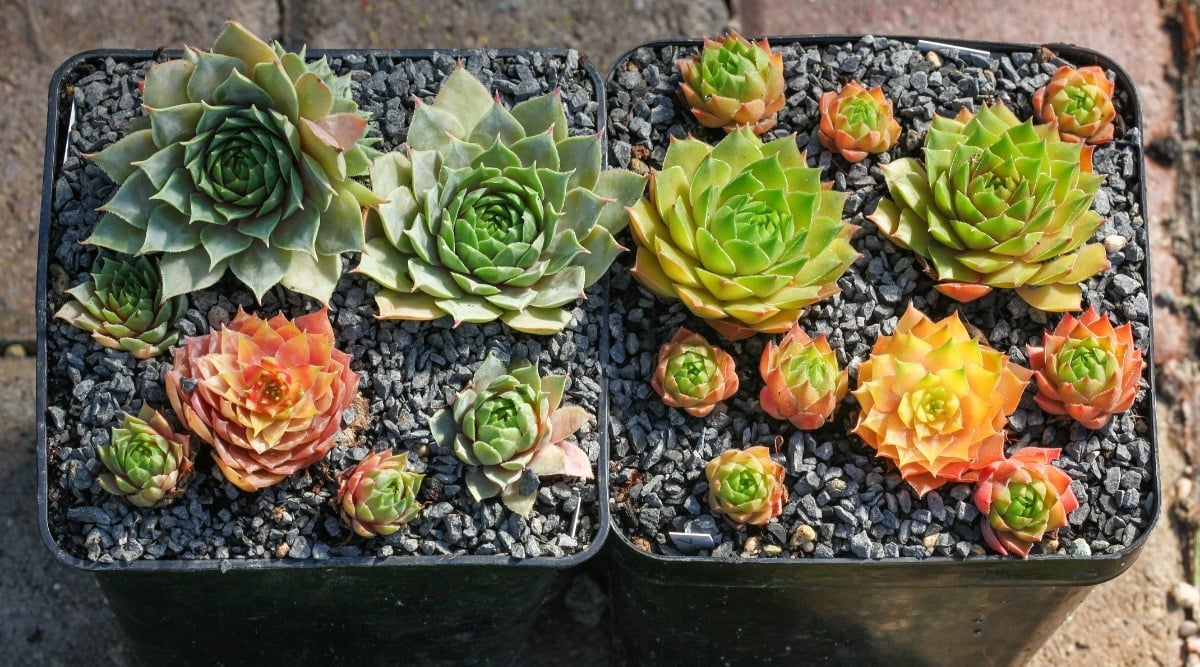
(50, 615)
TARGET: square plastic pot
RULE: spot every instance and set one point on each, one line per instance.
(835, 611)
(427, 610)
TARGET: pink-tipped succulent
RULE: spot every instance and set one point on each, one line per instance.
(734, 83)
(746, 486)
(1079, 102)
(693, 374)
(1087, 369)
(378, 496)
(148, 462)
(268, 395)
(803, 383)
(935, 400)
(1023, 498)
(857, 122)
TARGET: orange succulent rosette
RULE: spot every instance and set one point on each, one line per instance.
(935, 401)
(268, 394)
(1079, 102)
(802, 381)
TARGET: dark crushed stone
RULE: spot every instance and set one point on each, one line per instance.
(874, 515)
(408, 370)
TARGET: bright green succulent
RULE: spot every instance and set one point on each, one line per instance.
(378, 496)
(743, 233)
(246, 164)
(509, 428)
(493, 213)
(147, 460)
(122, 306)
(998, 203)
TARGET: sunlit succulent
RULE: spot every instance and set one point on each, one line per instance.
(493, 214)
(123, 308)
(246, 164)
(1079, 102)
(746, 486)
(378, 496)
(997, 203)
(802, 381)
(1022, 499)
(509, 428)
(743, 233)
(856, 122)
(935, 401)
(693, 374)
(268, 395)
(148, 462)
(734, 83)
(1087, 369)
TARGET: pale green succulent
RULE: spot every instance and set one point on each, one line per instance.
(123, 308)
(246, 164)
(493, 213)
(742, 233)
(508, 423)
(148, 462)
(998, 203)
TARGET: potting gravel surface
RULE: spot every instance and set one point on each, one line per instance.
(408, 370)
(844, 501)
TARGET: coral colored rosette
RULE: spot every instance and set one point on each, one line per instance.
(935, 401)
(1022, 498)
(802, 381)
(268, 395)
(856, 122)
(1079, 102)
(692, 374)
(746, 486)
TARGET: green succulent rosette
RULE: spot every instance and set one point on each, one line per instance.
(246, 163)
(508, 425)
(123, 307)
(378, 496)
(998, 203)
(742, 233)
(148, 462)
(493, 213)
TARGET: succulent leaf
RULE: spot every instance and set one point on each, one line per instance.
(124, 309)
(746, 486)
(935, 400)
(378, 496)
(997, 204)
(742, 233)
(147, 462)
(244, 160)
(507, 425)
(1087, 369)
(493, 214)
(268, 394)
(1022, 499)
(734, 83)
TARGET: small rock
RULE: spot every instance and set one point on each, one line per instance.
(1188, 628)
(1185, 595)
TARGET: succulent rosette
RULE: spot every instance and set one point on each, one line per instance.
(692, 374)
(493, 213)
(378, 495)
(742, 233)
(1022, 499)
(124, 309)
(1087, 369)
(148, 462)
(802, 381)
(734, 83)
(1079, 102)
(746, 486)
(997, 204)
(268, 395)
(509, 428)
(935, 401)
(856, 122)
(247, 164)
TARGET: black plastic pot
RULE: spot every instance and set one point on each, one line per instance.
(837, 611)
(425, 610)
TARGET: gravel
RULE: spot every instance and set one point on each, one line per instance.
(854, 504)
(408, 369)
